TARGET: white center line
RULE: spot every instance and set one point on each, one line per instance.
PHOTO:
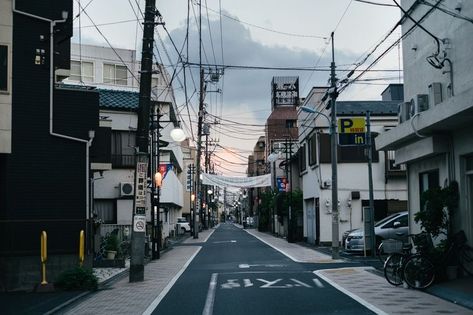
(209, 302)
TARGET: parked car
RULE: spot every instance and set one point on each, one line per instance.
(183, 226)
(394, 226)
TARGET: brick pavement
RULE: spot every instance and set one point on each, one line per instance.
(377, 294)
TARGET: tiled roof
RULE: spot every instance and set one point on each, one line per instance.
(114, 99)
(385, 108)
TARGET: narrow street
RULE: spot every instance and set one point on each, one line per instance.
(235, 273)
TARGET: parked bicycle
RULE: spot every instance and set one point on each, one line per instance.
(418, 270)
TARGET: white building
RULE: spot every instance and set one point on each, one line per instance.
(389, 182)
(434, 138)
(116, 78)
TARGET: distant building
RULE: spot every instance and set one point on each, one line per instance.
(389, 180)
(281, 138)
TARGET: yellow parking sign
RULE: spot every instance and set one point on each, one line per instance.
(351, 131)
(351, 125)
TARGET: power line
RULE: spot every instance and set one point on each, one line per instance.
(376, 3)
(320, 69)
(265, 28)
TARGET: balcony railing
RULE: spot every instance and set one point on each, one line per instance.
(123, 161)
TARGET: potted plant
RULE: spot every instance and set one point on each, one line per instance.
(111, 246)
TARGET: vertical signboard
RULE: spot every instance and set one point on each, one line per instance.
(140, 188)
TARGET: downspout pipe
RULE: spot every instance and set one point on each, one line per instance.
(87, 143)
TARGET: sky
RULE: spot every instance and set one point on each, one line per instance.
(262, 33)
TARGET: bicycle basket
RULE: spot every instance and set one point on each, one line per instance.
(392, 246)
(422, 242)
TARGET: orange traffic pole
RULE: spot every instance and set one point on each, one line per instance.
(44, 256)
(81, 247)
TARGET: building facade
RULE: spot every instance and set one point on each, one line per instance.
(44, 180)
(389, 182)
(433, 138)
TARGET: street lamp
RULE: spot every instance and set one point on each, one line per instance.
(332, 121)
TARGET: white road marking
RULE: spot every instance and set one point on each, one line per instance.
(209, 302)
(247, 283)
(231, 283)
(350, 294)
(269, 284)
(165, 291)
(219, 242)
(300, 283)
(318, 283)
(245, 266)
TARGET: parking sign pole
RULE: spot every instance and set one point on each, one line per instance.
(370, 182)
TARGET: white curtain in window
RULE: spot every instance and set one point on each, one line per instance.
(105, 210)
(108, 73)
(87, 72)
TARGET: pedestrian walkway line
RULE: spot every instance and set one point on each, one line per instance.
(163, 293)
(358, 299)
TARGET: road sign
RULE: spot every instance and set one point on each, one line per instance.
(139, 223)
(351, 131)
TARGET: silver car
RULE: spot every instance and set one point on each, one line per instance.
(395, 226)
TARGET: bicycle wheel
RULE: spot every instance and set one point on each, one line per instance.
(393, 271)
(466, 259)
(419, 272)
(382, 256)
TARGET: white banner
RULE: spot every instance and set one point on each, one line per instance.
(239, 182)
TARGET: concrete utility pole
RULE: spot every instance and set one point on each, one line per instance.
(370, 183)
(142, 135)
(333, 127)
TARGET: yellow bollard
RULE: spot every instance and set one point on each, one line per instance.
(44, 256)
(81, 247)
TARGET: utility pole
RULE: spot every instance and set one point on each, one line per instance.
(206, 132)
(370, 183)
(333, 127)
(142, 135)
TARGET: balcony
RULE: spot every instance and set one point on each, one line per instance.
(123, 161)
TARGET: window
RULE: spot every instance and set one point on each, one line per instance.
(115, 74)
(313, 149)
(154, 82)
(302, 159)
(123, 148)
(291, 123)
(82, 71)
(106, 210)
(427, 180)
(3, 68)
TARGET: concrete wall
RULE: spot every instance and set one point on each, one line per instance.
(5, 96)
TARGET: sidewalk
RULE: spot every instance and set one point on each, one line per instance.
(368, 286)
(123, 297)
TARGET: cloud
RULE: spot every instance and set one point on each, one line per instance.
(252, 87)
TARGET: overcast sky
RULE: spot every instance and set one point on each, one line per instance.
(268, 33)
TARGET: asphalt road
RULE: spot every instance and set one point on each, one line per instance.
(235, 273)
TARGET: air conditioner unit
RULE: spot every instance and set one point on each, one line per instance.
(126, 189)
(419, 104)
(403, 111)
